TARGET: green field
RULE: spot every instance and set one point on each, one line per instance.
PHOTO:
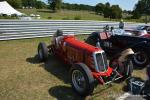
(63, 14)
(72, 15)
(22, 77)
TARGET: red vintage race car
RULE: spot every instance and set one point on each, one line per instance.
(89, 63)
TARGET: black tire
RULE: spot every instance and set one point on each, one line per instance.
(140, 59)
(42, 51)
(85, 76)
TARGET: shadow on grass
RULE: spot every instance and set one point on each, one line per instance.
(60, 70)
(64, 93)
(33, 60)
(57, 68)
(54, 66)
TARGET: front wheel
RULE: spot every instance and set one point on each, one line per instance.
(42, 51)
(82, 80)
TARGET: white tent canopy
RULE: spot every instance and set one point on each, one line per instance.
(7, 9)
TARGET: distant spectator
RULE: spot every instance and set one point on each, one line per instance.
(121, 24)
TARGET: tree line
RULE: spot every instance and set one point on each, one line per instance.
(108, 11)
(77, 7)
(26, 3)
(58, 4)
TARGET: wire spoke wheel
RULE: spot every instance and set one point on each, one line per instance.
(78, 80)
(82, 80)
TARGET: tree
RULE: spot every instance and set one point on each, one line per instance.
(136, 14)
(40, 5)
(116, 11)
(107, 10)
(29, 3)
(58, 4)
(55, 4)
(14, 3)
(99, 8)
(142, 7)
(77, 7)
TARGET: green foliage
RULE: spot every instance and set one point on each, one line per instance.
(99, 8)
(77, 18)
(136, 15)
(14, 3)
(29, 3)
(77, 7)
(66, 18)
(55, 4)
(26, 3)
(40, 5)
(108, 11)
(116, 11)
(141, 8)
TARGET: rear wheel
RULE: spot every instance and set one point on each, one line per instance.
(42, 51)
(140, 59)
(82, 80)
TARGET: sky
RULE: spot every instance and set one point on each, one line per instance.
(124, 4)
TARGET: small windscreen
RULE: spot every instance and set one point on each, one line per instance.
(105, 60)
(140, 27)
(101, 61)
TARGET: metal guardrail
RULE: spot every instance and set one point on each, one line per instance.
(18, 29)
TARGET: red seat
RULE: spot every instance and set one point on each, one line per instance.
(104, 35)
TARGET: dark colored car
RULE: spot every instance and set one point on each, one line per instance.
(114, 43)
(139, 28)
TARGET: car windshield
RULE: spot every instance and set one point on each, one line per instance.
(118, 32)
(140, 28)
(101, 61)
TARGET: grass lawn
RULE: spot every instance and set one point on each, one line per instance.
(63, 14)
(72, 15)
(22, 77)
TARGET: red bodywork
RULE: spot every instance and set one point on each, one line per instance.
(146, 36)
(72, 51)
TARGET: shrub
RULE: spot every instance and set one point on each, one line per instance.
(77, 18)
(49, 17)
(66, 18)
